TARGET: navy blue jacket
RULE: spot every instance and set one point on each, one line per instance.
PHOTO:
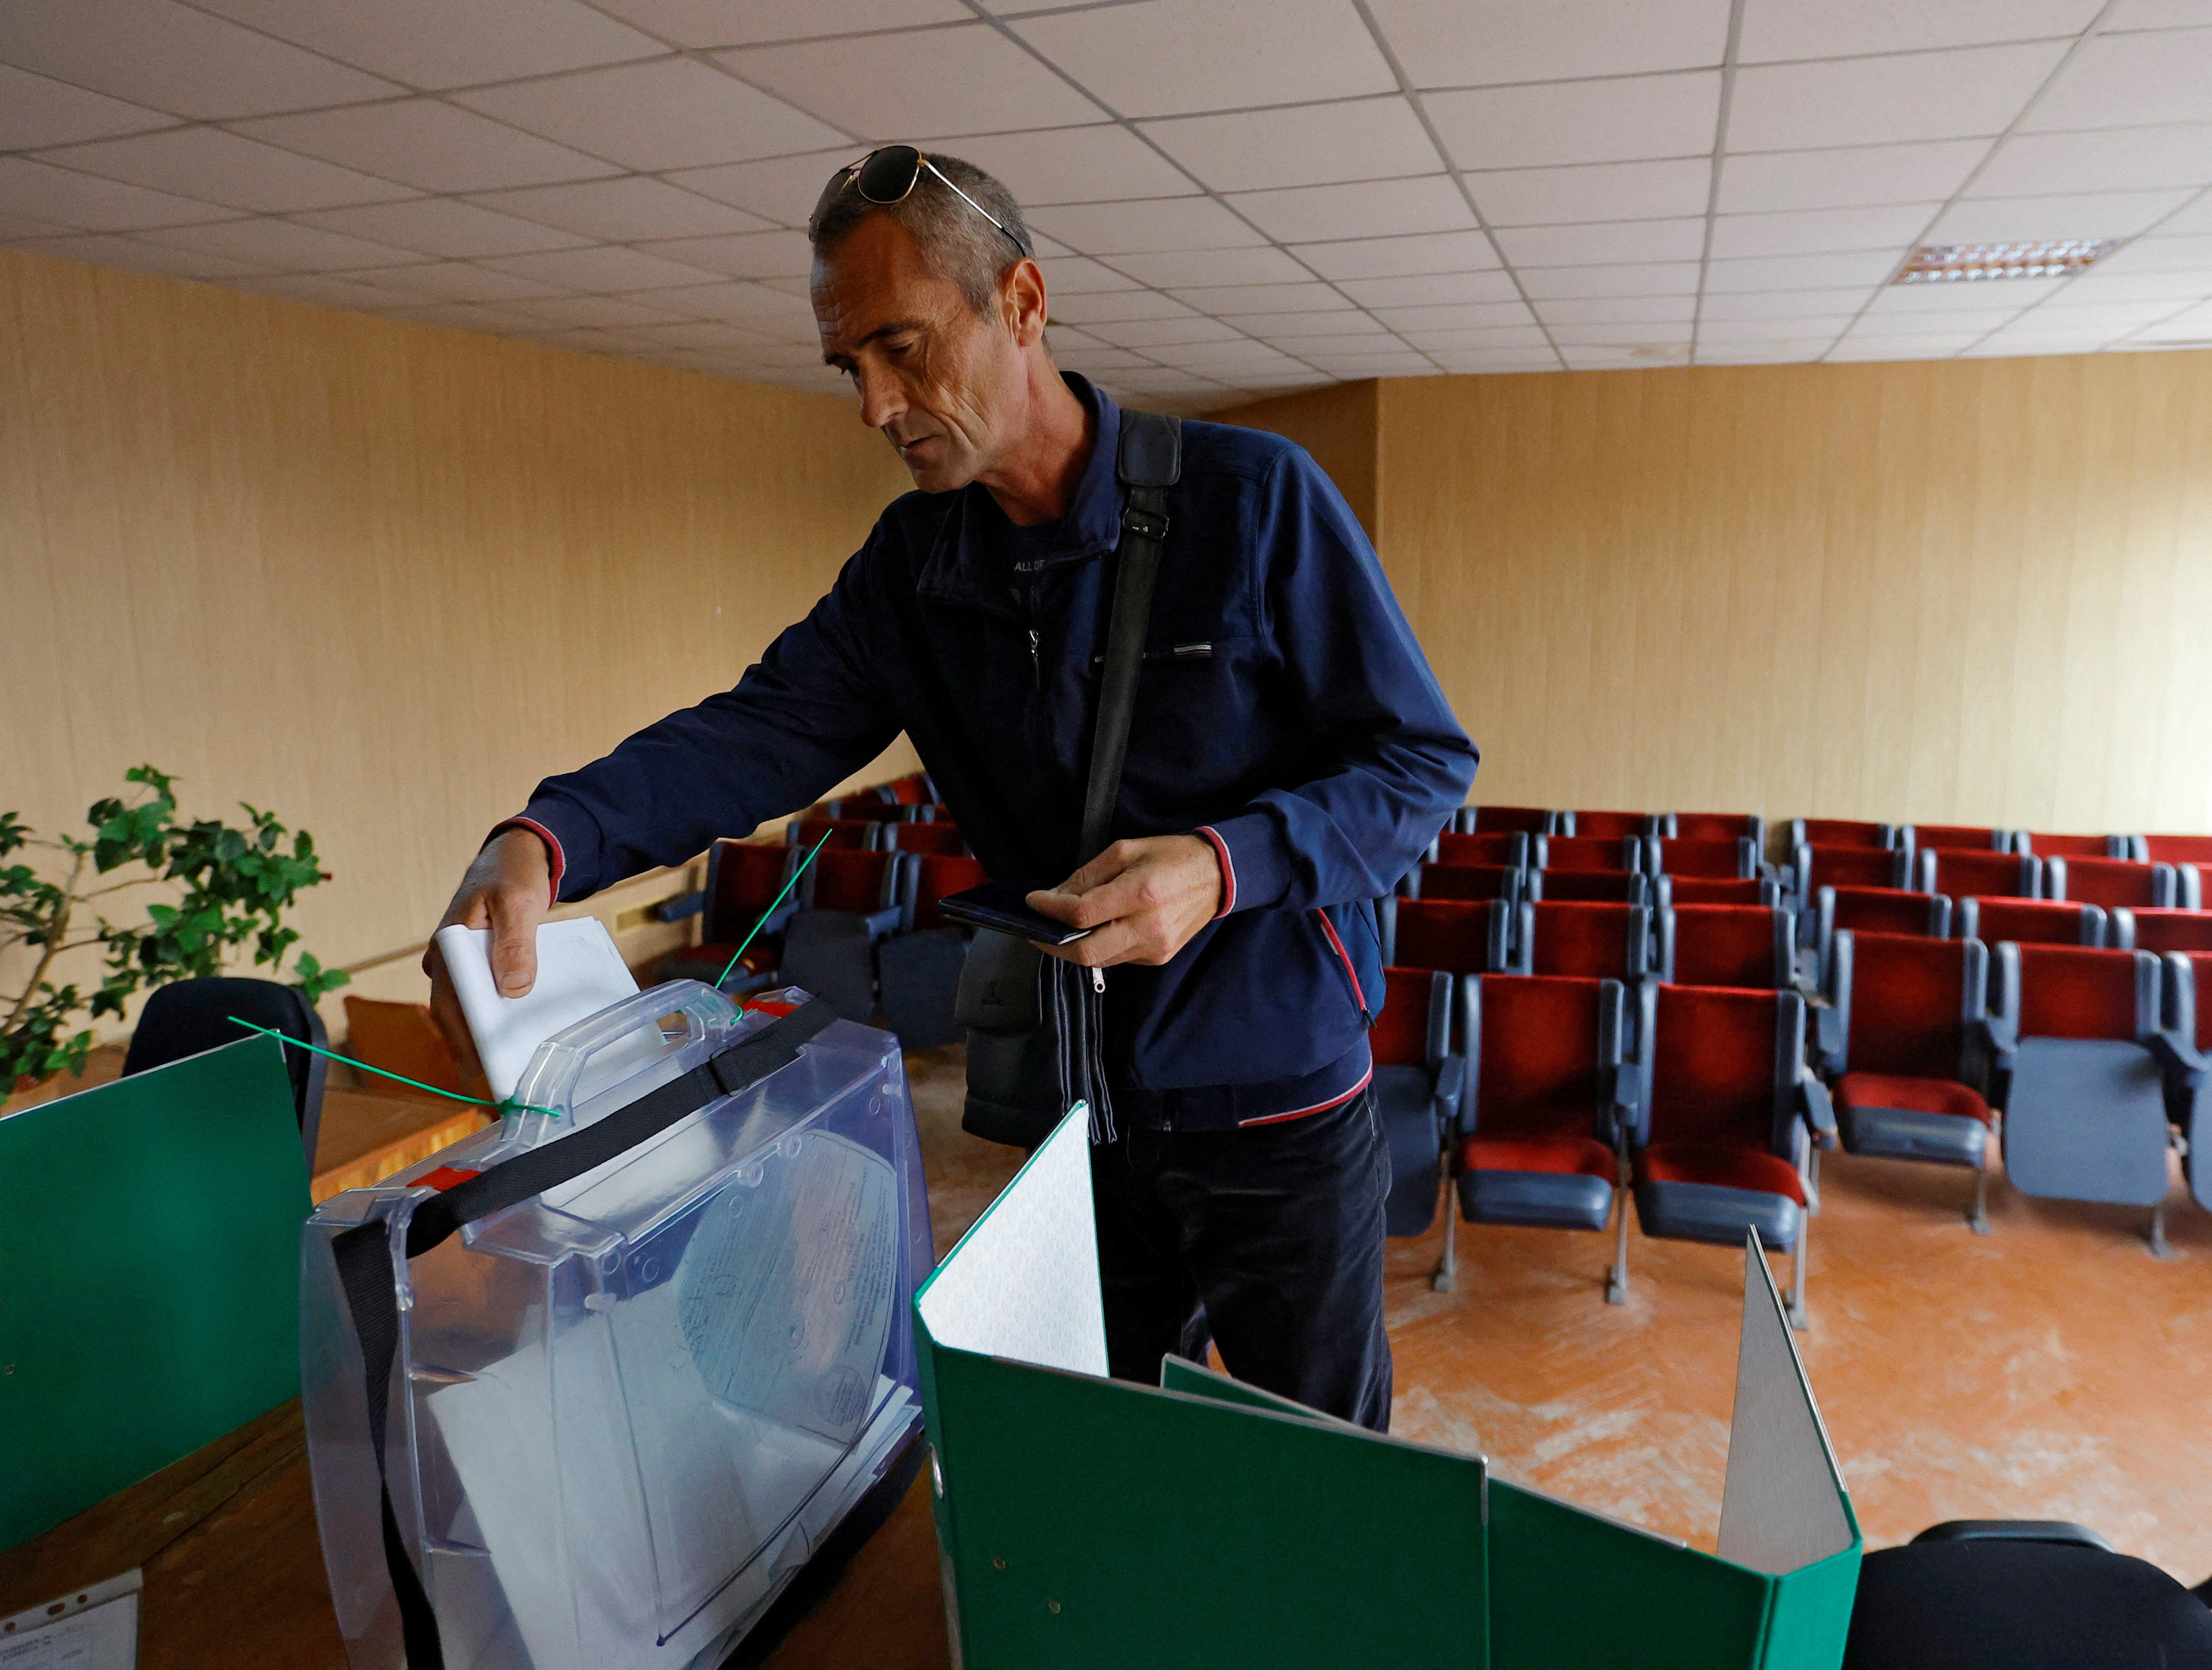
(1283, 707)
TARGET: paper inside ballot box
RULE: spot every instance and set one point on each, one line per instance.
(1206, 1522)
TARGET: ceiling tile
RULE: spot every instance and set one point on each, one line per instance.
(65, 198)
(1813, 231)
(2097, 288)
(1602, 191)
(698, 333)
(1861, 102)
(37, 110)
(1319, 347)
(2193, 254)
(1078, 275)
(749, 305)
(432, 44)
(746, 255)
(1378, 209)
(460, 281)
(1956, 327)
(1681, 240)
(1783, 304)
(1096, 164)
(1498, 335)
(283, 245)
(1431, 289)
(1403, 364)
(619, 210)
(1237, 358)
(740, 22)
(1784, 351)
(424, 143)
(440, 226)
(1811, 29)
(2194, 322)
(967, 79)
(782, 188)
(1171, 57)
(1180, 269)
(1397, 258)
(458, 316)
(1649, 279)
(1485, 43)
(1300, 144)
(170, 57)
(1220, 298)
(222, 167)
(604, 269)
(2124, 158)
(129, 255)
(1881, 348)
(1090, 361)
(1594, 121)
(1290, 327)
(323, 290)
(2129, 81)
(1801, 272)
(1064, 338)
(1988, 295)
(1599, 310)
(1775, 333)
(2160, 14)
(1478, 364)
(669, 113)
(1157, 332)
(1649, 357)
(1762, 181)
(1088, 310)
(1153, 223)
(600, 312)
(24, 226)
(1621, 333)
(1996, 219)
(1465, 316)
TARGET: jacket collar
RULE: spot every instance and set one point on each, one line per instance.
(960, 567)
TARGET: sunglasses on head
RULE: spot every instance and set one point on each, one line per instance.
(888, 174)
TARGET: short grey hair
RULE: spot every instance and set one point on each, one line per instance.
(958, 244)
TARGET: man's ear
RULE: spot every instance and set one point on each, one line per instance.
(1022, 302)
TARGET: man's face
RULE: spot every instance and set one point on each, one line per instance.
(944, 385)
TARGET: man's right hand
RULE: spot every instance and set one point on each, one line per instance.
(508, 888)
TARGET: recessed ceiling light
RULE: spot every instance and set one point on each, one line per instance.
(2042, 258)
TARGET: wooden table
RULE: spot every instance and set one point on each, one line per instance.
(234, 1569)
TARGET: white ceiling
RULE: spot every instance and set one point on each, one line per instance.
(1232, 196)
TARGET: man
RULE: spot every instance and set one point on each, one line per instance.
(1290, 756)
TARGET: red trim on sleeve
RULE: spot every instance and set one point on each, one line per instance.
(560, 859)
(1228, 871)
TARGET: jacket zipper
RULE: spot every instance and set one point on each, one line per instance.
(1037, 662)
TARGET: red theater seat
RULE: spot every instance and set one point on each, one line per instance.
(1876, 910)
(2031, 922)
(1961, 872)
(1578, 940)
(2073, 845)
(1741, 945)
(851, 834)
(2162, 931)
(2175, 849)
(1839, 832)
(1721, 860)
(1509, 850)
(1813, 868)
(938, 876)
(2084, 1107)
(1727, 1107)
(2111, 881)
(944, 840)
(1508, 820)
(1946, 837)
(743, 878)
(1600, 853)
(1626, 887)
(1449, 934)
(1605, 825)
(1417, 1090)
(849, 901)
(1467, 881)
(1708, 890)
(1538, 1140)
(1911, 1051)
(1715, 826)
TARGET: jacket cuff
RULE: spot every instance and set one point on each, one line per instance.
(1254, 871)
(557, 855)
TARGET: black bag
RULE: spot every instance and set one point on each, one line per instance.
(1033, 1021)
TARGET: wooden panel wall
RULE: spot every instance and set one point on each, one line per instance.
(379, 577)
(1968, 591)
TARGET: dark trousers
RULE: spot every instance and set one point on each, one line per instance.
(1268, 1240)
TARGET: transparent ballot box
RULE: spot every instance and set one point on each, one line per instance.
(624, 1406)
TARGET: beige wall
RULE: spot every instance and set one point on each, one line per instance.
(379, 577)
(1967, 591)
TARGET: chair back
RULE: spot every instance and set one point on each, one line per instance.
(1540, 1052)
(1955, 837)
(2160, 930)
(938, 876)
(849, 833)
(1508, 820)
(1718, 860)
(943, 838)
(1724, 1068)
(1908, 1002)
(191, 1016)
(2109, 882)
(1605, 825)
(1600, 853)
(1509, 850)
(1589, 941)
(1816, 866)
(1742, 945)
(1414, 1028)
(1839, 832)
(1962, 872)
(1715, 826)
(1449, 934)
(1468, 881)
(1620, 887)
(2072, 992)
(743, 878)
(842, 879)
(2031, 922)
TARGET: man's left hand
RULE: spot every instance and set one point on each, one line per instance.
(1142, 900)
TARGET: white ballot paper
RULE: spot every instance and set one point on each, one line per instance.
(92, 1628)
(580, 972)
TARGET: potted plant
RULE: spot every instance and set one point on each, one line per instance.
(232, 886)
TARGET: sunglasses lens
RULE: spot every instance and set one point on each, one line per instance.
(888, 174)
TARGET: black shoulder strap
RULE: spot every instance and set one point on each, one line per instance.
(366, 1277)
(1149, 463)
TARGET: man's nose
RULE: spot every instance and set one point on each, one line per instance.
(880, 400)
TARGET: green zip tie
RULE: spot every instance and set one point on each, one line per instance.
(508, 1106)
(772, 904)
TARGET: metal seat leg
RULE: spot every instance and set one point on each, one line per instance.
(1616, 1278)
(1978, 1215)
(1446, 1279)
(1799, 1318)
(2160, 1247)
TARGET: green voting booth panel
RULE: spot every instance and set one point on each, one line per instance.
(149, 1237)
(1088, 1522)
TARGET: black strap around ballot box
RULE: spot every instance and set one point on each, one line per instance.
(364, 1256)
